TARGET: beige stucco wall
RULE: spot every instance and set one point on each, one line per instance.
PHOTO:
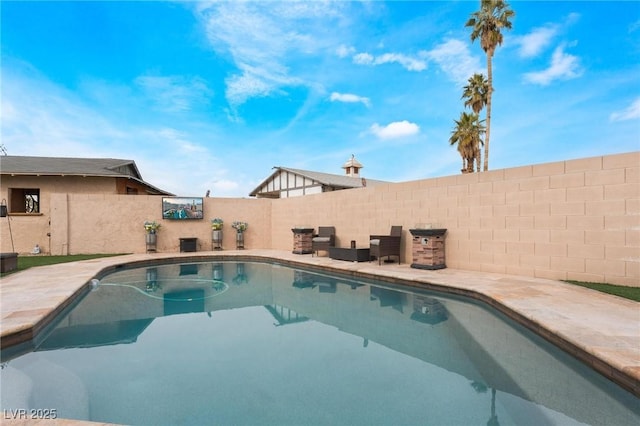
(29, 230)
(61, 184)
(114, 223)
(576, 219)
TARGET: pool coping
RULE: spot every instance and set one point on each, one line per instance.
(601, 330)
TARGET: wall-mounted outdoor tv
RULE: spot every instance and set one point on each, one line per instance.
(182, 208)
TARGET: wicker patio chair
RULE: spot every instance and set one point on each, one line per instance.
(386, 245)
(325, 238)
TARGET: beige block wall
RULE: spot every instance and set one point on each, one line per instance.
(576, 219)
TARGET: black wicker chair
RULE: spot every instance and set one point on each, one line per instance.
(386, 245)
(325, 238)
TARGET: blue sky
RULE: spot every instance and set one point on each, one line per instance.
(212, 95)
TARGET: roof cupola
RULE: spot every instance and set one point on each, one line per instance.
(352, 167)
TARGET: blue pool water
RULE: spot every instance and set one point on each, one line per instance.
(263, 344)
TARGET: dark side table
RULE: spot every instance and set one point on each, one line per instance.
(188, 244)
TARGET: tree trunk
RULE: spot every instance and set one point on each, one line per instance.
(489, 95)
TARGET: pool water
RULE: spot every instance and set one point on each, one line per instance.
(264, 344)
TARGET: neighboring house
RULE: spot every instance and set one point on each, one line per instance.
(29, 184)
(286, 182)
(27, 181)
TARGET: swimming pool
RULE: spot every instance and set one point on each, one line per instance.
(259, 343)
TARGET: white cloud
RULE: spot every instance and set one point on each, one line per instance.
(40, 118)
(178, 139)
(363, 59)
(572, 18)
(540, 38)
(397, 129)
(174, 93)
(46, 119)
(349, 98)
(455, 59)
(411, 64)
(632, 112)
(246, 86)
(536, 41)
(343, 51)
(452, 56)
(407, 62)
(263, 38)
(563, 67)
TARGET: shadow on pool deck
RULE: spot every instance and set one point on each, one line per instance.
(601, 330)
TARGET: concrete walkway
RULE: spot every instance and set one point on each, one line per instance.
(601, 330)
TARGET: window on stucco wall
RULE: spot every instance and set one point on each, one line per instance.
(24, 200)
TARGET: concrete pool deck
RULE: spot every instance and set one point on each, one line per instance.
(601, 330)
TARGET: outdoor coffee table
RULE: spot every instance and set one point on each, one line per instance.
(349, 254)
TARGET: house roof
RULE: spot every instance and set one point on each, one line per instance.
(66, 166)
(56, 166)
(328, 179)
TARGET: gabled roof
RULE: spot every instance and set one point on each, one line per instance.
(334, 180)
(327, 179)
(56, 166)
(67, 166)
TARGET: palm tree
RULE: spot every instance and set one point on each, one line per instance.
(475, 93)
(475, 96)
(493, 16)
(468, 136)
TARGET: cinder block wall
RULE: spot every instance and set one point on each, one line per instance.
(576, 219)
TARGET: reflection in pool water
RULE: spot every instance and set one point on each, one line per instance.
(255, 343)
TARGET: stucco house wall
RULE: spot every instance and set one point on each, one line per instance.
(105, 223)
(30, 229)
(576, 219)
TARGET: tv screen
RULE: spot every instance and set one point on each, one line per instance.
(182, 208)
